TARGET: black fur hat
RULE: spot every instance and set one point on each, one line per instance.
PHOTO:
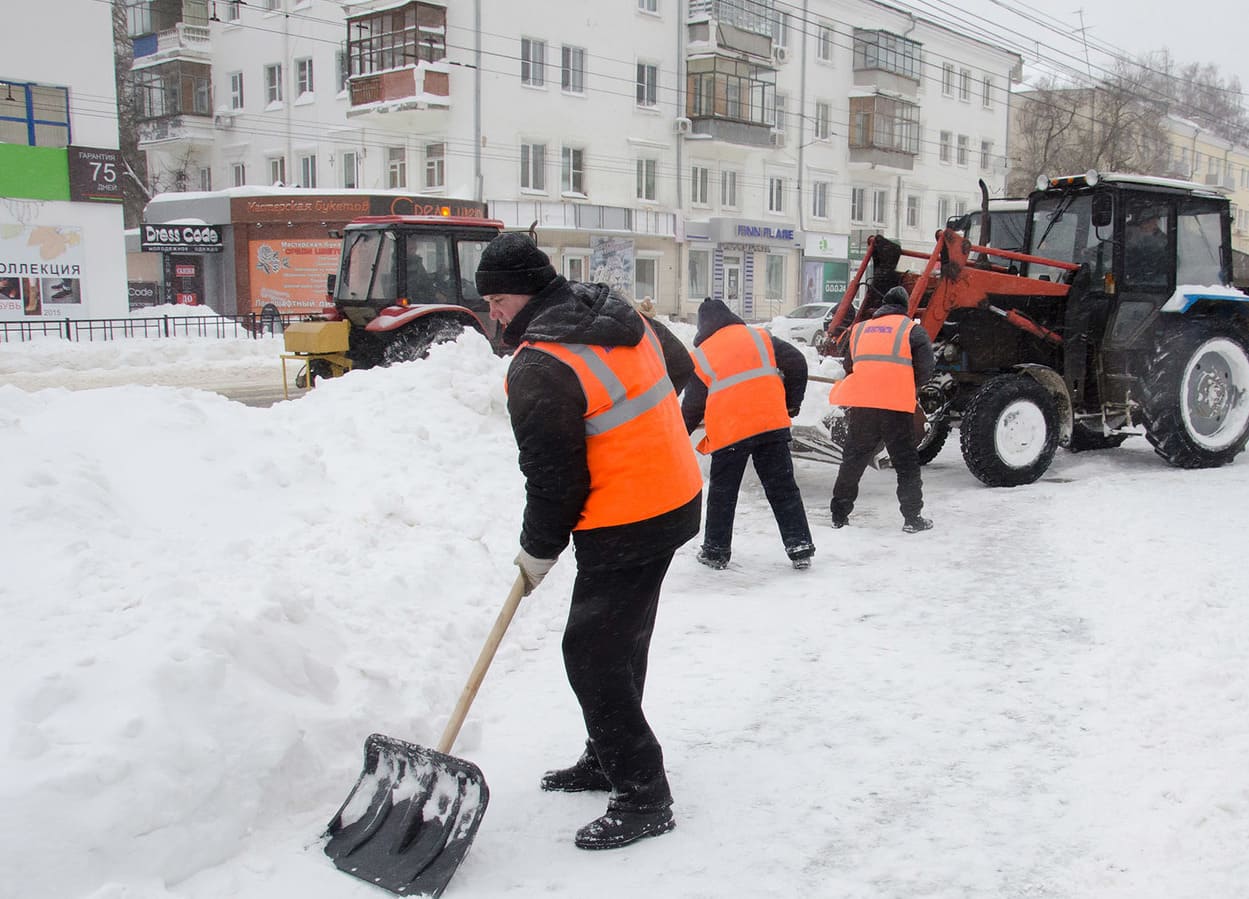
(512, 263)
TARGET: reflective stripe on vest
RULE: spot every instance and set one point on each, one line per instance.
(745, 392)
(883, 377)
(638, 452)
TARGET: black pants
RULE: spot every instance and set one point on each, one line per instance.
(775, 468)
(606, 645)
(866, 429)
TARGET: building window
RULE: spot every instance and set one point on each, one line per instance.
(964, 85)
(532, 62)
(823, 121)
(884, 123)
(647, 84)
(700, 273)
(819, 199)
(648, 5)
(986, 94)
(205, 179)
(396, 37)
(777, 119)
(943, 211)
(645, 277)
(273, 83)
(344, 70)
(307, 171)
(273, 5)
(238, 174)
(233, 8)
(824, 43)
(236, 90)
(576, 266)
(887, 52)
(774, 276)
(943, 151)
(947, 79)
(303, 76)
(986, 155)
(435, 165)
(351, 170)
(396, 167)
(962, 149)
(960, 208)
(572, 70)
(646, 179)
(533, 167)
(277, 170)
(572, 171)
(728, 189)
(912, 211)
(780, 29)
(776, 195)
(858, 197)
(880, 206)
(699, 179)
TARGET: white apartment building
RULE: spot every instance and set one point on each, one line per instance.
(62, 252)
(674, 148)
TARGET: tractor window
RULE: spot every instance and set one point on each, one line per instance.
(368, 267)
(1062, 230)
(429, 275)
(1146, 247)
(470, 254)
(1200, 239)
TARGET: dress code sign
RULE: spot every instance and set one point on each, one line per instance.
(180, 239)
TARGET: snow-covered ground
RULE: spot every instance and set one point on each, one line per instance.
(207, 607)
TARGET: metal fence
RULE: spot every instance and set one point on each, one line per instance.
(91, 329)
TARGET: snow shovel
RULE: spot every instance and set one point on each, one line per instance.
(412, 815)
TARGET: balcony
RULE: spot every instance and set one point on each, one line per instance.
(403, 98)
(887, 63)
(174, 131)
(884, 131)
(731, 100)
(183, 41)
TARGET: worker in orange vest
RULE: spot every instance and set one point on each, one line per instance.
(888, 357)
(749, 385)
(592, 396)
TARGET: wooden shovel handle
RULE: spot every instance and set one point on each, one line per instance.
(483, 663)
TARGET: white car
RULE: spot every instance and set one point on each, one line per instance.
(803, 324)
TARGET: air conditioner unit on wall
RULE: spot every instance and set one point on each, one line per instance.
(776, 138)
(682, 125)
(223, 120)
(780, 54)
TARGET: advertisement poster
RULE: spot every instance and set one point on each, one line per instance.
(824, 282)
(290, 274)
(611, 263)
(41, 269)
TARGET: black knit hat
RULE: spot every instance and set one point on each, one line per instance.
(512, 263)
(897, 296)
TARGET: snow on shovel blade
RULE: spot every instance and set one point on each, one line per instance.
(410, 818)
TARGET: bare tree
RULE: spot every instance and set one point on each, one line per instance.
(134, 187)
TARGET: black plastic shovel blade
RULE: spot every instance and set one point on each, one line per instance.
(410, 818)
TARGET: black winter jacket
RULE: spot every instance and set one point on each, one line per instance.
(547, 409)
(789, 360)
(922, 362)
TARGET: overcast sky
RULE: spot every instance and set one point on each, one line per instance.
(1210, 33)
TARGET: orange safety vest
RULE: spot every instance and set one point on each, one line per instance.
(882, 377)
(638, 452)
(745, 392)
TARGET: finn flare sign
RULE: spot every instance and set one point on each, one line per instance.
(180, 238)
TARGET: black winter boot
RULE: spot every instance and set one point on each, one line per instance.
(917, 523)
(585, 774)
(717, 559)
(620, 828)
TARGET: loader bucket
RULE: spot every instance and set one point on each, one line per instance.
(410, 818)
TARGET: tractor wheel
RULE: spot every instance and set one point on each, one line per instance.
(1084, 438)
(935, 435)
(413, 342)
(1195, 403)
(1009, 431)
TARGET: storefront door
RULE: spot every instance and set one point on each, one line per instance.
(733, 283)
(184, 278)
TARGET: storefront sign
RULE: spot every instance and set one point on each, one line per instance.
(744, 233)
(41, 270)
(143, 294)
(95, 175)
(426, 206)
(824, 282)
(826, 246)
(180, 238)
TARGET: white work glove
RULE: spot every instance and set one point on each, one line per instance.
(533, 570)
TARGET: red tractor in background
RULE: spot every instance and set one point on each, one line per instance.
(404, 283)
(1117, 318)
